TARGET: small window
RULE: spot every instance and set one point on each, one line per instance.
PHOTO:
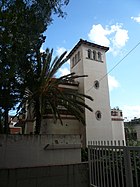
(76, 59)
(96, 84)
(89, 53)
(94, 55)
(98, 115)
(73, 61)
(99, 56)
(78, 55)
(114, 113)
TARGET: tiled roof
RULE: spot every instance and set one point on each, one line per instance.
(85, 42)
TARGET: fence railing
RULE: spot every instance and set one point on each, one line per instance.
(111, 164)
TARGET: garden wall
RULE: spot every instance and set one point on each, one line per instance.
(39, 150)
(73, 175)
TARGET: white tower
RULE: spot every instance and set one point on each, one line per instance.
(87, 58)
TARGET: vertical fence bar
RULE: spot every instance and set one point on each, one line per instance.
(95, 166)
(90, 161)
(128, 168)
(110, 167)
(97, 149)
(121, 167)
(103, 157)
(106, 166)
(135, 168)
(100, 164)
(114, 169)
(117, 167)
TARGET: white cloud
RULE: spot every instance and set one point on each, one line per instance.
(136, 19)
(131, 111)
(60, 51)
(121, 37)
(64, 71)
(113, 83)
(113, 36)
(98, 35)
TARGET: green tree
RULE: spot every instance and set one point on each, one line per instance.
(22, 23)
(43, 92)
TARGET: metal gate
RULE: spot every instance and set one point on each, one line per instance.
(112, 165)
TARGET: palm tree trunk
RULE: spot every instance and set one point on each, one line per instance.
(38, 116)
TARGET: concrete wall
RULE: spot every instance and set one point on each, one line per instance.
(118, 130)
(39, 150)
(75, 175)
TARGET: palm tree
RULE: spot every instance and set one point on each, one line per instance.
(43, 91)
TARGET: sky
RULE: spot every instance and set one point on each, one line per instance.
(111, 23)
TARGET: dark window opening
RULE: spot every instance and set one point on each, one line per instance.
(89, 53)
(94, 55)
(99, 56)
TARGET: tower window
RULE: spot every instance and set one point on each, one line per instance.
(78, 55)
(94, 55)
(99, 56)
(76, 59)
(73, 60)
(89, 53)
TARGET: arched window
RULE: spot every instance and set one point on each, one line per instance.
(94, 55)
(89, 53)
(99, 56)
(78, 55)
(76, 59)
(73, 61)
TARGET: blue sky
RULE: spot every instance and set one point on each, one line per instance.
(111, 23)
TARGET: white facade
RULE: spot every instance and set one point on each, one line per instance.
(117, 124)
(87, 58)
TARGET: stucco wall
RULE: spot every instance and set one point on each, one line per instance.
(40, 150)
(95, 129)
(75, 175)
(118, 130)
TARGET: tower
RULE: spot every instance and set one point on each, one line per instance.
(87, 58)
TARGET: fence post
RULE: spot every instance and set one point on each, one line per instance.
(128, 168)
(89, 162)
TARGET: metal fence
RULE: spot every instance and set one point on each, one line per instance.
(111, 164)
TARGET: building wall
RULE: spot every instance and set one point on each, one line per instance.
(95, 129)
(40, 150)
(49, 176)
(70, 126)
(118, 130)
(117, 124)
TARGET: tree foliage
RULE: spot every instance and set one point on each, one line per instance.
(22, 23)
(26, 75)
